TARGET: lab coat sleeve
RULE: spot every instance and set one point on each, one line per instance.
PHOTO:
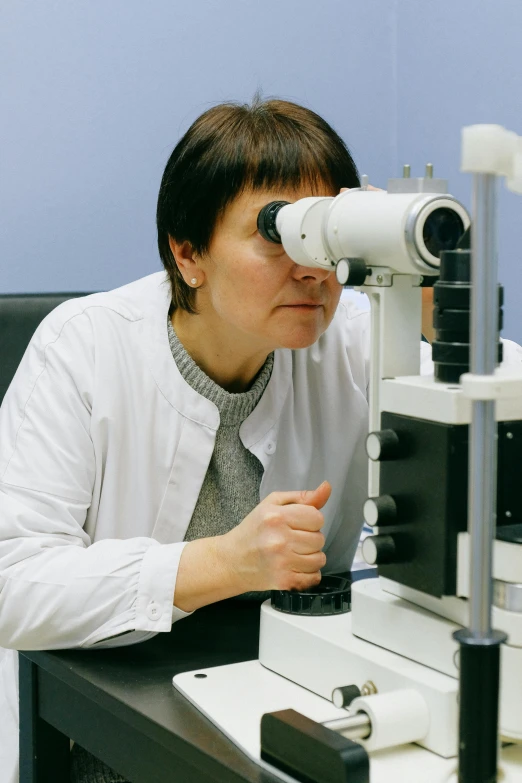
(57, 589)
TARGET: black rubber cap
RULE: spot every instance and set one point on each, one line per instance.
(266, 221)
(332, 596)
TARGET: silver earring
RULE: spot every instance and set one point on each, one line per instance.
(194, 280)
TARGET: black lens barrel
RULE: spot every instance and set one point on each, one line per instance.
(451, 314)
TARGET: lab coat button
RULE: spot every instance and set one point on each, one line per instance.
(153, 611)
(270, 447)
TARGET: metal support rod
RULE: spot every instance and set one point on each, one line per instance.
(353, 726)
(480, 645)
(482, 441)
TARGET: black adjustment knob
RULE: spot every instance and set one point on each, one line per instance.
(380, 511)
(331, 596)
(379, 550)
(382, 444)
(351, 271)
(343, 697)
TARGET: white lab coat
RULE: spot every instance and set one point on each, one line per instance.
(103, 451)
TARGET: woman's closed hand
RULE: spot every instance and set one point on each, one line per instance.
(278, 546)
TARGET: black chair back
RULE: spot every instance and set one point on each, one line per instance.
(20, 314)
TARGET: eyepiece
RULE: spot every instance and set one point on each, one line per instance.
(266, 221)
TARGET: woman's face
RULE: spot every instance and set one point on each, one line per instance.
(254, 288)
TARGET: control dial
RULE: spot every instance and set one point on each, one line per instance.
(331, 596)
(343, 697)
(379, 550)
(380, 511)
(351, 271)
(382, 444)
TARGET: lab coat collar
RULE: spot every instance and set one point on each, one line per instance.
(183, 398)
(268, 410)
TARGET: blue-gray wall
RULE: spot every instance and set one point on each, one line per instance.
(94, 95)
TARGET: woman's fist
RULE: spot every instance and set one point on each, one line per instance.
(278, 546)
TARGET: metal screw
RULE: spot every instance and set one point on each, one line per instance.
(368, 689)
(406, 169)
(509, 435)
(429, 170)
(379, 279)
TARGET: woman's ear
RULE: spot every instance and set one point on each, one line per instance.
(185, 259)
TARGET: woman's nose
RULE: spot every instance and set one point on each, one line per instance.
(312, 272)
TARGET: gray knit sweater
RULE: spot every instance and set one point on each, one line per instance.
(230, 489)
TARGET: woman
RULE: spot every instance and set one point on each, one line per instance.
(195, 435)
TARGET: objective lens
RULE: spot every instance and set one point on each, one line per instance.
(442, 230)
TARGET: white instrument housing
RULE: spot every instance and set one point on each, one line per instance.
(385, 229)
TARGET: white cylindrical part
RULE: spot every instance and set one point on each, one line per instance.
(396, 718)
(386, 229)
(300, 226)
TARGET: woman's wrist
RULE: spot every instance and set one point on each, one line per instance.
(205, 574)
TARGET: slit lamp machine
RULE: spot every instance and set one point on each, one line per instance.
(421, 669)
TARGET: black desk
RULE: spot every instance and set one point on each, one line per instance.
(121, 706)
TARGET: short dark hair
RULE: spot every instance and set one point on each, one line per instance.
(232, 148)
